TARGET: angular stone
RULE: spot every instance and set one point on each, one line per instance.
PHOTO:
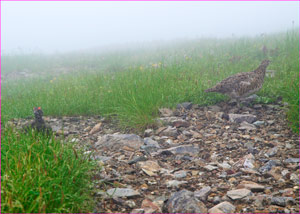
(186, 149)
(238, 193)
(248, 161)
(259, 123)
(170, 131)
(202, 193)
(149, 167)
(250, 99)
(273, 151)
(292, 160)
(268, 166)
(185, 105)
(184, 202)
(210, 167)
(282, 201)
(96, 128)
(180, 174)
(254, 187)
(130, 203)
(150, 143)
(238, 118)
(122, 192)
(148, 132)
(247, 126)
(150, 207)
(101, 158)
(224, 207)
(119, 141)
(165, 112)
(137, 159)
(181, 123)
(224, 165)
(138, 211)
(175, 183)
(215, 108)
(159, 130)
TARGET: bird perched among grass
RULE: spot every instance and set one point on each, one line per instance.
(39, 124)
(242, 84)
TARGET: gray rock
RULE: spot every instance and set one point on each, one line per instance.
(268, 166)
(224, 165)
(224, 207)
(210, 167)
(137, 159)
(289, 146)
(238, 193)
(175, 183)
(247, 126)
(202, 193)
(170, 131)
(55, 128)
(180, 174)
(184, 202)
(148, 132)
(122, 192)
(294, 178)
(259, 123)
(238, 118)
(250, 99)
(185, 105)
(101, 158)
(186, 149)
(118, 141)
(138, 211)
(254, 187)
(181, 123)
(165, 112)
(130, 204)
(282, 201)
(292, 160)
(150, 143)
(216, 199)
(215, 108)
(273, 151)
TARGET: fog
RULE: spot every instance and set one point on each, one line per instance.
(65, 26)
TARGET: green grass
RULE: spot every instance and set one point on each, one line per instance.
(131, 85)
(40, 174)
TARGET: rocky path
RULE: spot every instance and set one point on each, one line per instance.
(198, 159)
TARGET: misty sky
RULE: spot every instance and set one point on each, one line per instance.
(66, 26)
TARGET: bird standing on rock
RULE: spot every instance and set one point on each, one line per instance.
(39, 124)
(242, 84)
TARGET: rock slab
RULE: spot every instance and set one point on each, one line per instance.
(184, 201)
(118, 141)
(224, 207)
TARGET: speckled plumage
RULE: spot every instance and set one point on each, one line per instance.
(242, 84)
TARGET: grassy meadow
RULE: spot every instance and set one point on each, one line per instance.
(130, 84)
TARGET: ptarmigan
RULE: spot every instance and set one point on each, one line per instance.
(242, 84)
(39, 124)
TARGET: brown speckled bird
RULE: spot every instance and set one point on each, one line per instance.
(242, 84)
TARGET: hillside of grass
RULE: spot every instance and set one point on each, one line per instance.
(44, 174)
(133, 83)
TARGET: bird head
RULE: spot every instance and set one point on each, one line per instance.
(38, 112)
(265, 63)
